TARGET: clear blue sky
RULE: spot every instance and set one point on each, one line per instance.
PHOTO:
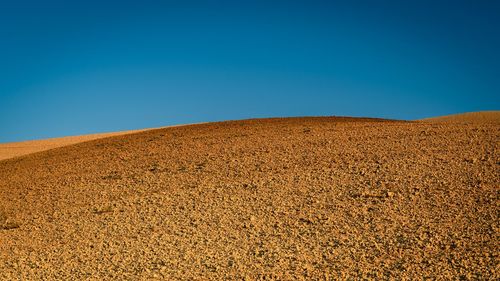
(78, 67)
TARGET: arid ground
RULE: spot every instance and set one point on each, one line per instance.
(324, 198)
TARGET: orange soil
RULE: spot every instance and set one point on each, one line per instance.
(269, 199)
(470, 117)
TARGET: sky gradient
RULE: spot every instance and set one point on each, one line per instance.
(79, 67)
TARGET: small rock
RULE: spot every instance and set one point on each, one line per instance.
(471, 160)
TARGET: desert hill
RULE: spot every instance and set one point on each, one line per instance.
(15, 149)
(267, 199)
(469, 117)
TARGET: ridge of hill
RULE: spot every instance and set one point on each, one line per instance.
(16, 149)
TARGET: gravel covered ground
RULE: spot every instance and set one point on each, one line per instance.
(273, 199)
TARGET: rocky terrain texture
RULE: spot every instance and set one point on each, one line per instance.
(271, 199)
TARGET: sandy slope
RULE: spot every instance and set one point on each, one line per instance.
(15, 149)
(283, 199)
(470, 117)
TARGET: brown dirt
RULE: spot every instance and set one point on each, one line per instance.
(470, 117)
(284, 199)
